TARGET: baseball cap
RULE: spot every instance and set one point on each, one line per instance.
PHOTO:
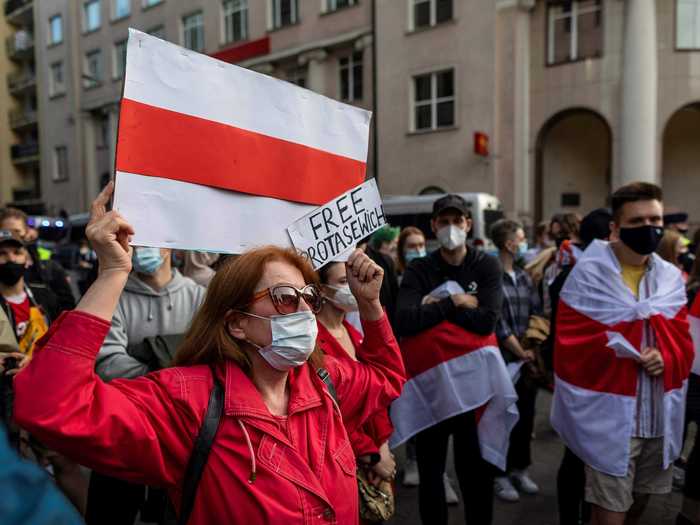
(451, 202)
(7, 237)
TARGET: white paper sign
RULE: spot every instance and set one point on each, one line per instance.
(329, 232)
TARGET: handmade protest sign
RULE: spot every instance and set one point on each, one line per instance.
(329, 232)
(212, 156)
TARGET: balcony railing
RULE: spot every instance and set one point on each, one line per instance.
(12, 6)
(20, 81)
(20, 45)
(20, 118)
(24, 152)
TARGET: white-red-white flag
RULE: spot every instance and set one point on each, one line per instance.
(600, 333)
(452, 371)
(213, 156)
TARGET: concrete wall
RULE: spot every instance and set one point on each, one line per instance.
(410, 162)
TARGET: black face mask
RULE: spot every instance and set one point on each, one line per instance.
(10, 273)
(686, 260)
(642, 239)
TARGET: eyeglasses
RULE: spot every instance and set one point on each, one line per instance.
(285, 298)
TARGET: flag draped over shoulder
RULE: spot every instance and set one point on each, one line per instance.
(600, 326)
(452, 371)
(216, 157)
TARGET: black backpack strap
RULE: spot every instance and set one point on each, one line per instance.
(326, 378)
(200, 452)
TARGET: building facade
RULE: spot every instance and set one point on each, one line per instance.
(573, 97)
(20, 182)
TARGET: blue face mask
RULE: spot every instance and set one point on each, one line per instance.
(522, 249)
(147, 260)
(414, 254)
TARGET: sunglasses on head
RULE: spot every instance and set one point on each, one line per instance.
(286, 297)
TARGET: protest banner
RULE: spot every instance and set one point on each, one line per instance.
(331, 231)
(212, 156)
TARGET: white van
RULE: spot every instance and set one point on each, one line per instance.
(416, 210)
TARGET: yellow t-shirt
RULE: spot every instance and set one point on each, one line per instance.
(632, 276)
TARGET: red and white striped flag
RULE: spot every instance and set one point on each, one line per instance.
(694, 321)
(213, 156)
(600, 327)
(452, 371)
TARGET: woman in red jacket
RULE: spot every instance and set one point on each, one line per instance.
(281, 454)
(338, 338)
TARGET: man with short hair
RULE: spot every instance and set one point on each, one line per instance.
(451, 295)
(622, 359)
(48, 273)
(520, 301)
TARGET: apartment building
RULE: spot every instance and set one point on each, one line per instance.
(545, 103)
(20, 182)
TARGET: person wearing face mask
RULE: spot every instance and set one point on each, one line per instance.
(40, 272)
(338, 338)
(411, 246)
(520, 301)
(473, 311)
(157, 301)
(622, 358)
(280, 452)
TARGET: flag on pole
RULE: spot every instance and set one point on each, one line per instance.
(600, 334)
(213, 156)
(451, 371)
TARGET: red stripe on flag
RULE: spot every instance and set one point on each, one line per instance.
(441, 343)
(167, 144)
(582, 358)
(695, 308)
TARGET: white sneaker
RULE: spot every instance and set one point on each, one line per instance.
(451, 496)
(524, 482)
(505, 490)
(410, 474)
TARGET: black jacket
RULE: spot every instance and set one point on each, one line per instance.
(51, 275)
(40, 296)
(389, 292)
(479, 274)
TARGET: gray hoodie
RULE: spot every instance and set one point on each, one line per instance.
(143, 312)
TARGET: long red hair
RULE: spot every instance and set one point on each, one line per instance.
(232, 288)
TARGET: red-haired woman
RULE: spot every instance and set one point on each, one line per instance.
(281, 454)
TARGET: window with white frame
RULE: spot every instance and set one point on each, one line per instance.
(120, 9)
(193, 31)
(284, 12)
(428, 13)
(60, 164)
(333, 5)
(351, 85)
(91, 15)
(93, 69)
(688, 24)
(575, 30)
(57, 81)
(433, 101)
(119, 60)
(235, 20)
(150, 3)
(55, 29)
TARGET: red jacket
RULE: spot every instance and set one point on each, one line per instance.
(260, 470)
(369, 437)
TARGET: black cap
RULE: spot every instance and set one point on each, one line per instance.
(680, 217)
(7, 237)
(451, 202)
(595, 225)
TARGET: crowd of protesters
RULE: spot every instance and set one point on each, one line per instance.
(187, 387)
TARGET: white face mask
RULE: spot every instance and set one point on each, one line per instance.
(293, 339)
(451, 237)
(343, 298)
